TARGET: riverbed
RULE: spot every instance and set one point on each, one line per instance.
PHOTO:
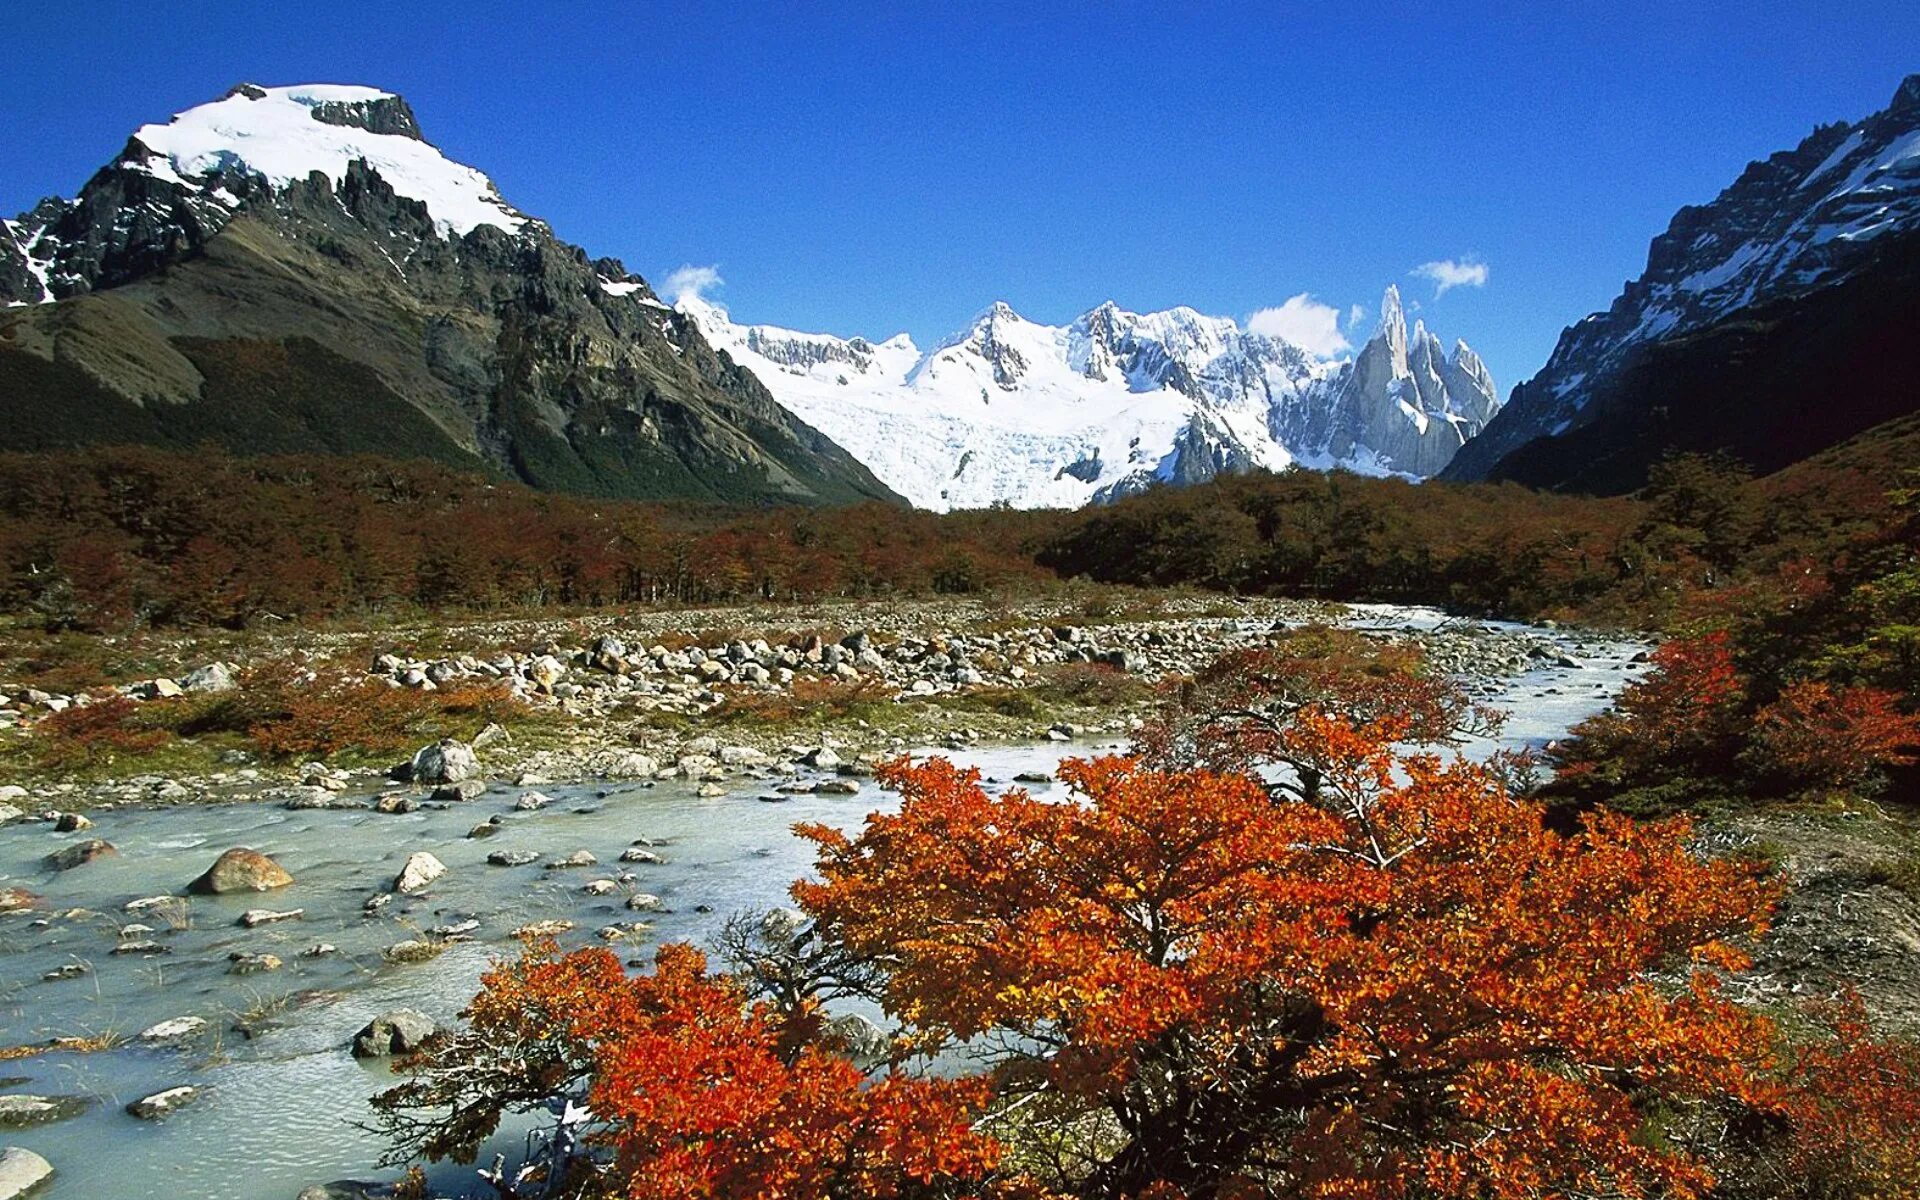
(280, 1092)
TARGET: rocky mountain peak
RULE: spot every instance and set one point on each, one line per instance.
(1797, 223)
(1393, 327)
(1906, 98)
(295, 269)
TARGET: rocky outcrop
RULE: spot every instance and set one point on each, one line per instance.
(1403, 404)
(1770, 323)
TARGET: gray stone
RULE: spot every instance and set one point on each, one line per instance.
(79, 854)
(444, 761)
(18, 1112)
(401, 1031)
(160, 1104)
(22, 1172)
(420, 870)
(256, 917)
(512, 858)
(178, 1029)
(214, 677)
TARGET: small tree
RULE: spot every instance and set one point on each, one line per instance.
(670, 1086)
(1409, 987)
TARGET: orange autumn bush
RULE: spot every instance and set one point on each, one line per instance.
(1183, 983)
(693, 1092)
(1410, 988)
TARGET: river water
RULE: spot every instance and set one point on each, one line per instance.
(277, 1108)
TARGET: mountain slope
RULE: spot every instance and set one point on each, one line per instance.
(1769, 323)
(298, 269)
(1010, 411)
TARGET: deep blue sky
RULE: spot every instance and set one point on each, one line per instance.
(860, 169)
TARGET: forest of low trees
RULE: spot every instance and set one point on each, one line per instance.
(123, 538)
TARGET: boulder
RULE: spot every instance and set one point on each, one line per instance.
(462, 792)
(178, 1029)
(79, 854)
(16, 899)
(401, 1031)
(821, 757)
(10, 812)
(858, 1036)
(579, 858)
(444, 761)
(394, 804)
(160, 1104)
(71, 822)
(22, 1172)
(157, 689)
(253, 918)
(245, 962)
(512, 858)
(18, 1112)
(214, 677)
(420, 870)
(241, 870)
(546, 671)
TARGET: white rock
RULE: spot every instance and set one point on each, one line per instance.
(175, 1030)
(150, 1108)
(421, 869)
(21, 1172)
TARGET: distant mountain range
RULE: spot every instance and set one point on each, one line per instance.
(1009, 411)
(297, 269)
(1770, 323)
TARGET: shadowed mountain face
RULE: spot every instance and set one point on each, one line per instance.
(296, 269)
(1770, 323)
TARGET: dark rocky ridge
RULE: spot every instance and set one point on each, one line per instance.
(324, 317)
(1708, 349)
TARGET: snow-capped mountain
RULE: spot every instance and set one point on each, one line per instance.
(297, 269)
(1011, 411)
(1789, 235)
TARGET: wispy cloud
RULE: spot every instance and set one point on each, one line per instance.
(691, 282)
(1304, 321)
(1449, 273)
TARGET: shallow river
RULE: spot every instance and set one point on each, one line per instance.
(276, 1111)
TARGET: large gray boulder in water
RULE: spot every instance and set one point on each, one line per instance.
(401, 1031)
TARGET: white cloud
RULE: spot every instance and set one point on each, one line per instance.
(1355, 315)
(1304, 321)
(1449, 273)
(691, 281)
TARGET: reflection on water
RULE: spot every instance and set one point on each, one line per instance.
(278, 1107)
